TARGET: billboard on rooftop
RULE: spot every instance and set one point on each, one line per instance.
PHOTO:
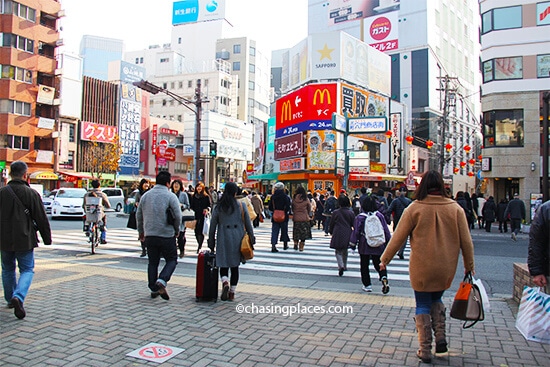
(193, 11)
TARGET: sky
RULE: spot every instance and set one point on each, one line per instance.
(141, 23)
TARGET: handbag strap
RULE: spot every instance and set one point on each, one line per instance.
(10, 190)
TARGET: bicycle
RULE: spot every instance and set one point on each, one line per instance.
(93, 211)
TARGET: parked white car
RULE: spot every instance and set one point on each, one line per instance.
(48, 201)
(67, 202)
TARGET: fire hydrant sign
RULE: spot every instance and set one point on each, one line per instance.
(155, 352)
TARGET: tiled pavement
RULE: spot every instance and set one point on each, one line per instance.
(89, 315)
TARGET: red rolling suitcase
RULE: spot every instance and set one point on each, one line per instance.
(207, 277)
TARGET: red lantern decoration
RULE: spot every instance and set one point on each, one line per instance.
(467, 148)
(462, 164)
(491, 140)
(409, 139)
(455, 170)
(472, 161)
(448, 147)
(429, 144)
(479, 157)
(471, 174)
(389, 134)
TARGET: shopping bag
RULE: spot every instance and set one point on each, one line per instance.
(484, 297)
(533, 320)
(187, 214)
(467, 304)
(206, 225)
(191, 224)
(132, 223)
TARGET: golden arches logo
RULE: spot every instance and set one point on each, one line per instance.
(286, 111)
(321, 93)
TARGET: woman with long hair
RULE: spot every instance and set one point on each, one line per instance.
(301, 218)
(438, 232)
(201, 204)
(177, 188)
(229, 221)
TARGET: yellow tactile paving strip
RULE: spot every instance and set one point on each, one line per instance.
(81, 271)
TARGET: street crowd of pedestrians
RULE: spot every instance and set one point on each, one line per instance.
(437, 226)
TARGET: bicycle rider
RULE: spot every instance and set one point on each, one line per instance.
(96, 192)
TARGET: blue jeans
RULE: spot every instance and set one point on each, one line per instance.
(157, 247)
(424, 301)
(275, 228)
(25, 262)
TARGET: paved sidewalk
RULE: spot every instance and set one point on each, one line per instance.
(90, 315)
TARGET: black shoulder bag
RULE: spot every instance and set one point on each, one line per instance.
(27, 211)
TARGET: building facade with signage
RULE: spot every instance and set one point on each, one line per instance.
(516, 73)
(29, 87)
(336, 102)
(427, 41)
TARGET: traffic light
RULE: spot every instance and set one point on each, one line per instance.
(213, 149)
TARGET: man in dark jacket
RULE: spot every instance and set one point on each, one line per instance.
(502, 220)
(21, 215)
(489, 212)
(397, 207)
(538, 259)
(516, 209)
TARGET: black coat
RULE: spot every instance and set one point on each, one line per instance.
(538, 258)
(489, 210)
(280, 201)
(17, 232)
(501, 209)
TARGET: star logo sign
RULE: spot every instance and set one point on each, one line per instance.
(325, 52)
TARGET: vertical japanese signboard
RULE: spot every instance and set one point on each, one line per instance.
(129, 125)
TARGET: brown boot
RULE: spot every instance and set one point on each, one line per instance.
(302, 243)
(438, 325)
(424, 329)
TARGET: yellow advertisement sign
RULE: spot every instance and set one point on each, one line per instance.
(321, 149)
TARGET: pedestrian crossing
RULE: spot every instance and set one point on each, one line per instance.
(316, 259)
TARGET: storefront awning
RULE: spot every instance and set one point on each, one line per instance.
(375, 177)
(79, 175)
(43, 175)
(250, 184)
(265, 176)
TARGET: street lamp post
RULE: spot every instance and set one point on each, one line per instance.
(228, 162)
(154, 89)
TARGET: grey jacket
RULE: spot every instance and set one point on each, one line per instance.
(229, 228)
(151, 213)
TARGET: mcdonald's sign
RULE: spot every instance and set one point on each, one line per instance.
(322, 94)
(310, 106)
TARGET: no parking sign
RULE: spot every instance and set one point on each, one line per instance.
(155, 352)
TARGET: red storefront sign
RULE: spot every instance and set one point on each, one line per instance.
(289, 146)
(311, 102)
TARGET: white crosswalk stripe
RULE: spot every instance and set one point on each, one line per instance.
(316, 259)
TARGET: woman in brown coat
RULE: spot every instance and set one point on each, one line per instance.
(301, 216)
(438, 231)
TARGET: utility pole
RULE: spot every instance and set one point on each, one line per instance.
(449, 100)
(154, 89)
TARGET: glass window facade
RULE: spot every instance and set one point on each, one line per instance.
(503, 128)
(543, 66)
(501, 18)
